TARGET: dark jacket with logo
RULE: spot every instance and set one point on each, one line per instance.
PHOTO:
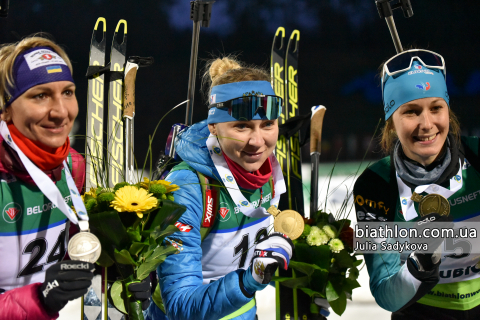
(394, 284)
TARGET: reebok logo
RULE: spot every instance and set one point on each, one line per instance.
(79, 266)
(49, 287)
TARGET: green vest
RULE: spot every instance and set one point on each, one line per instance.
(33, 232)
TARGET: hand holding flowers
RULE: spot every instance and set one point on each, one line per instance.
(131, 222)
(322, 258)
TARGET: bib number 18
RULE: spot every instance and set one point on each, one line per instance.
(242, 248)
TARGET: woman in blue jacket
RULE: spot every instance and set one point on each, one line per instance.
(216, 273)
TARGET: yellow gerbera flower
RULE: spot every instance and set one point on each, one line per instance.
(132, 199)
(170, 187)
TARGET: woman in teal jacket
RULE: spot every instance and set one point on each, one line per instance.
(427, 156)
(216, 275)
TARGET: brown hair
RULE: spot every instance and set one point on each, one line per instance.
(8, 54)
(388, 136)
(227, 70)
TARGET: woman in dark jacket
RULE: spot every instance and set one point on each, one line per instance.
(427, 158)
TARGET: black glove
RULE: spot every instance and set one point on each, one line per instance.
(65, 281)
(427, 261)
(142, 291)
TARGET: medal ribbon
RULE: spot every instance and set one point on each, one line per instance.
(48, 187)
(408, 209)
(233, 189)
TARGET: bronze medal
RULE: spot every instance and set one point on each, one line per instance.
(288, 222)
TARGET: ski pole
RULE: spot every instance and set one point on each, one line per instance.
(133, 63)
(385, 10)
(316, 124)
(200, 13)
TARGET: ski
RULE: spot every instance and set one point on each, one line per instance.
(294, 159)
(301, 300)
(95, 305)
(91, 306)
(95, 108)
(283, 295)
(115, 148)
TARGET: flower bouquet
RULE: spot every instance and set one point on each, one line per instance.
(324, 263)
(131, 222)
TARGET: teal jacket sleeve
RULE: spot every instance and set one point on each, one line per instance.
(180, 276)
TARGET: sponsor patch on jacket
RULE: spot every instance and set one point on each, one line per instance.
(209, 213)
(183, 227)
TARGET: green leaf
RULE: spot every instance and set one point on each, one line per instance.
(146, 267)
(116, 292)
(124, 257)
(296, 282)
(137, 247)
(109, 229)
(162, 251)
(158, 234)
(157, 298)
(154, 260)
(280, 279)
(168, 214)
(319, 255)
(135, 310)
(343, 259)
(340, 304)
(105, 260)
(147, 254)
(312, 293)
(349, 285)
(357, 262)
(332, 294)
(134, 235)
(305, 268)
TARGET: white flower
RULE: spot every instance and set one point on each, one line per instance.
(330, 231)
(317, 237)
(336, 245)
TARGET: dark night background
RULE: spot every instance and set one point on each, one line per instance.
(342, 44)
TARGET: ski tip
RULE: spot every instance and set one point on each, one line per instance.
(124, 22)
(295, 33)
(280, 30)
(101, 19)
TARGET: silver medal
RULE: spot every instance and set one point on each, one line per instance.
(84, 246)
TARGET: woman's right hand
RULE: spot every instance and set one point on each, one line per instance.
(270, 252)
(65, 281)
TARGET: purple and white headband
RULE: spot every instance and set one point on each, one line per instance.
(36, 66)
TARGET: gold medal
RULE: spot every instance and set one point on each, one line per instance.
(288, 222)
(432, 203)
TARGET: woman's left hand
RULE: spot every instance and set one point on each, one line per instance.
(142, 291)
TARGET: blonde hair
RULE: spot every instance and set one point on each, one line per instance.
(227, 70)
(10, 52)
(388, 136)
